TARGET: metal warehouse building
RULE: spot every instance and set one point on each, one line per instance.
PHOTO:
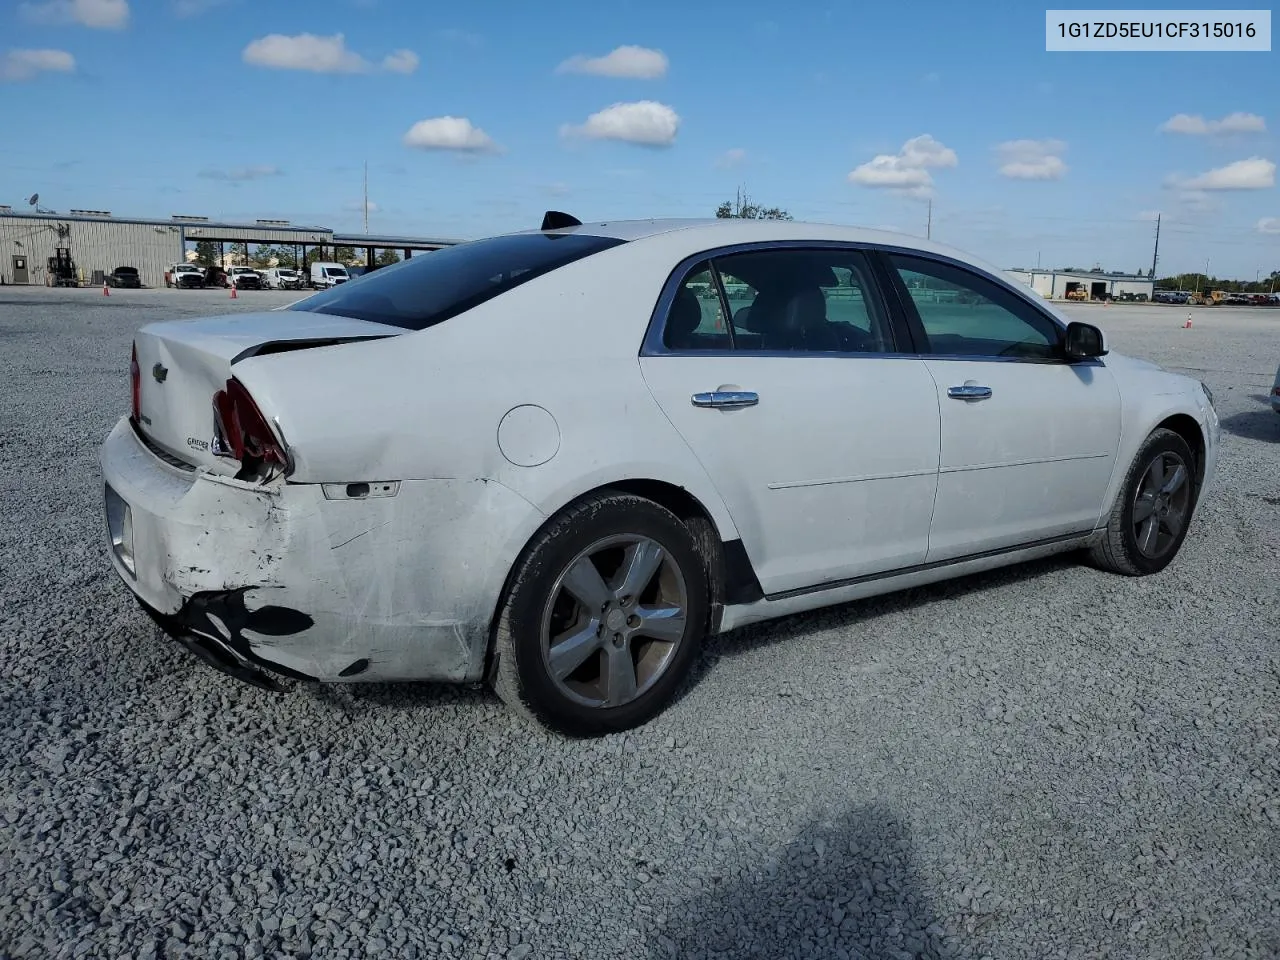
(1054, 284)
(99, 242)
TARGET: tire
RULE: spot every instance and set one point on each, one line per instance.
(590, 695)
(1126, 547)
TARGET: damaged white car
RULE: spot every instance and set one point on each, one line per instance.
(557, 460)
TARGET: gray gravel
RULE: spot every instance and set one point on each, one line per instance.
(1048, 762)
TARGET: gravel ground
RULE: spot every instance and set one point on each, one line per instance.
(1045, 762)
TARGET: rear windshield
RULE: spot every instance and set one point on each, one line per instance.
(126, 269)
(432, 287)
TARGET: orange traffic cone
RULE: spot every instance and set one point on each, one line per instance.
(233, 291)
(106, 292)
(1187, 325)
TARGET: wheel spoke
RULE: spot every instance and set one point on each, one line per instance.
(1155, 474)
(1174, 481)
(639, 564)
(1148, 535)
(570, 653)
(661, 623)
(620, 678)
(1143, 507)
(1173, 521)
(584, 583)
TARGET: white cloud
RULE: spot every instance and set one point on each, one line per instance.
(357, 206)
(1252, 174)
(98, 14)
(25, 64)
(632, 62)
(449, 133)
(731, 158)
(906, 171)
(1148, 215)
(306, 51)
(1269, 225)
(1032, 159)
(401, 61)
(254, 172)
(1197, 126)
(644, 122)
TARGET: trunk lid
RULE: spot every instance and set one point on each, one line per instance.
(183, 363)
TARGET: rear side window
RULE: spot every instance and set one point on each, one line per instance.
(432, 287)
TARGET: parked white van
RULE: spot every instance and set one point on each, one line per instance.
(284, 278)
(325, 275)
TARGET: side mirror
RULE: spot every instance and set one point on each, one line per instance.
(1083, 341)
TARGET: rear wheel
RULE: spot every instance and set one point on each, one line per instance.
(603, 616)
(1153, 510)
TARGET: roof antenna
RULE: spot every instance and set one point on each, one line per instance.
(555, 220)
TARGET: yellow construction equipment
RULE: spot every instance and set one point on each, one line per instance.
(1209, 298)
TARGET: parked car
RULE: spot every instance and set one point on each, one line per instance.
(644, 465)
(185, 275)
(215, 277)
(1275, 392)
(124, 277)
(325, 275)
(244, 278)
(284, 278)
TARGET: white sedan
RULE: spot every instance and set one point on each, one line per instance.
(558, 459)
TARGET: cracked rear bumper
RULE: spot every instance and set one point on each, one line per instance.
(283, 580)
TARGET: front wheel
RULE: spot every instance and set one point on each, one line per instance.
(1153, 510)
(603, 616)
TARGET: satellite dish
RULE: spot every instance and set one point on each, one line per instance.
(35, 199)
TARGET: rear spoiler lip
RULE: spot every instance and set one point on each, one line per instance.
(287, 346)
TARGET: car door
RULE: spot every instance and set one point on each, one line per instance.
(776, 366)
(1029, 439)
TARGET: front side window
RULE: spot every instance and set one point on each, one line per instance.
(422, 291)
(785, 299)
(966, 315)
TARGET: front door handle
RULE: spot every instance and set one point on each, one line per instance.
(969, 391)
(726, 399)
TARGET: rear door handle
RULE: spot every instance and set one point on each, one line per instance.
(726, 399)
(969, 391)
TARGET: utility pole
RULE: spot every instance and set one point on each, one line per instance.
(366, 197)
(928, 230)
(1155, 254)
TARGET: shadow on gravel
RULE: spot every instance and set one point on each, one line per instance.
(1256, 424)
(848, 889)
(748, 638)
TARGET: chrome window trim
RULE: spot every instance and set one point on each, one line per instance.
(652, 345)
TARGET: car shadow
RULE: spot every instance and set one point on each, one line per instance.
(848, 888)
(1261, 424)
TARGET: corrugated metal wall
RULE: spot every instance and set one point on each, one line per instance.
(95, 245)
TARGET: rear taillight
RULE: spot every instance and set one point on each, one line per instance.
(241, 432)
(135, 385)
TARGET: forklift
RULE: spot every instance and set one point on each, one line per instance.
(62, 269)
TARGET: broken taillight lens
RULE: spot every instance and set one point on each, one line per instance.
(135, 385)
(241, 432)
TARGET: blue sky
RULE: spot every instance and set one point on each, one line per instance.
(839, 111)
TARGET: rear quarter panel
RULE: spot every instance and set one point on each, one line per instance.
(428, 405)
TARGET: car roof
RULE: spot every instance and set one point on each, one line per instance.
(716, 232)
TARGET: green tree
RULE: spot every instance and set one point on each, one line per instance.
(206, 253)
(286, 257)
(741, 208)
(386, 258)
(345, 256)
(317, 255)
(264, 255)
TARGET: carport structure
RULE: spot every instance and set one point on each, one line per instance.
(405, 246)
(260, 232)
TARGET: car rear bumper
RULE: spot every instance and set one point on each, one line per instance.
(300, 580)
